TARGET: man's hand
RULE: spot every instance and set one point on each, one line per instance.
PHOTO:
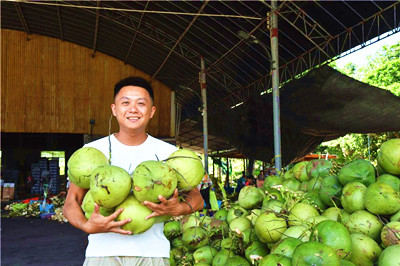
(165, 207)
(98, 223)
(193, 202)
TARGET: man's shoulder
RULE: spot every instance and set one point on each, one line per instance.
(160, 148)
(96, 143)
(162, 143)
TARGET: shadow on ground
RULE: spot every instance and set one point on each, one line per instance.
(35, 241)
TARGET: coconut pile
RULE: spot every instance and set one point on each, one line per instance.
(317, 213)
(112, 187)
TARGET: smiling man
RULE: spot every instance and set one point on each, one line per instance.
(108, 243)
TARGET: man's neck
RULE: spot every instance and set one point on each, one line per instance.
(131, 139)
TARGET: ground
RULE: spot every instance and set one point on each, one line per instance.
(35, 241)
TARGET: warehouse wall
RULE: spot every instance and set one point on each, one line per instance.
(51, 86)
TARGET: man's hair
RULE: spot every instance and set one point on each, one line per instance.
(134, 81)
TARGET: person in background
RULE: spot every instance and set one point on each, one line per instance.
(250, 181)
(109, 244)
(260, 179)
(241, 182)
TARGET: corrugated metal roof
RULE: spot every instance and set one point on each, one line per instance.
(167, 38)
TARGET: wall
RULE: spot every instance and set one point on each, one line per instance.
(53, 86)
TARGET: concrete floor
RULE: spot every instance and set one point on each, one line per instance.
(35, 241)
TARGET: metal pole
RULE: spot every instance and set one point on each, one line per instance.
(203, 87)
(275, 85)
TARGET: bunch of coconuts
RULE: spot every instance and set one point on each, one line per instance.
(112, 187)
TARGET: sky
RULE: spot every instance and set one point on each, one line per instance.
(360, 57)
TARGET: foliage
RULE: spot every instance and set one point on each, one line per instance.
(356, 146)
(382, 70)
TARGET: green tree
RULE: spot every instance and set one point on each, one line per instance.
(383, 71)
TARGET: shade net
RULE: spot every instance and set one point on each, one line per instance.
(321, 106)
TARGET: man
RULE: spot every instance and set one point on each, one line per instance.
(108, 243)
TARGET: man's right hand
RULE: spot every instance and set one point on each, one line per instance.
(98, 223)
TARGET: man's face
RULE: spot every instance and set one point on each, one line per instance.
(133, 108)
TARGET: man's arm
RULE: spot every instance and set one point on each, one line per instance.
(193, 201)
(97, 222)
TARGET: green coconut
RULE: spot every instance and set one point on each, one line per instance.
(389, 156)
(315, 253)
(272, 205)
(240, 224)
(137, 212)
(189, 221)
(288, 174)
(335, 235)
(152, 179)
(194, 238)
(300, 212)
(291, 184)
(256, 248)
(381, 198)
(229, 243)
(172, 229)
(390, 256)
(300, 232)
(365, 250)
(222, 256)
(221, 214)
(219, 227)
(395, 217)
(204, 254)
(236, 211)
(317, 219)
(250, 197)
(390, 180)
(269, 227)
(275, 259)
(110, 185)
(353, 195)
(313, 198)
(359, 170)
(332, 213)
(177, 243)
(314, 184)
(88, 206)
(366, 223)
(300, 171)
(272, 181)
(237, 261)
(286, 246)
(189, 167)
(390, 234)
(81, 164)
(318, 168)
(330, 191)
(254, 214)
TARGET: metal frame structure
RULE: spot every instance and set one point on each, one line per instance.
(332, 46)
(176, 34)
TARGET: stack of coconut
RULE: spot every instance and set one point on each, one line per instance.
(112, 187)
(319, 213)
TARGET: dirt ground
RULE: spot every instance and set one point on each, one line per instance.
(35, 241)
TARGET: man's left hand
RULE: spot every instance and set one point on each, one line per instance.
(165, 207)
